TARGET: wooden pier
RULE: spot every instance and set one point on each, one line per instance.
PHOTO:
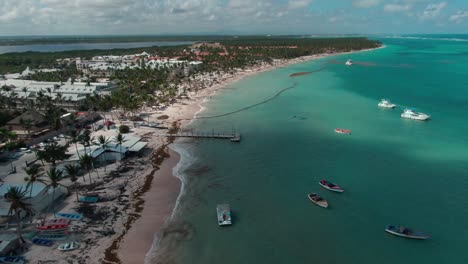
(233, 137)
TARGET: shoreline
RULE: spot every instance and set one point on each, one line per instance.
(113, 228)
(190, 112)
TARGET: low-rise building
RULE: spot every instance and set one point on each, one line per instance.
(67, 95)
(30, 123)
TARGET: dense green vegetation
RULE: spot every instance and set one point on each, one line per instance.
(260, 47)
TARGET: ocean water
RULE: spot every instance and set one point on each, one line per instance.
(394, 171)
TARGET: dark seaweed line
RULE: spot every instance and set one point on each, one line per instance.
(260, 103)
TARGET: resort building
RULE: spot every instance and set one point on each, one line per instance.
(40, 197)
(67, 95)
(30, 123)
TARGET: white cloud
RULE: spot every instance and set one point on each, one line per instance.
(459, 16)
(433, 10)
(366, 3)
(396, 8)
(295, 4)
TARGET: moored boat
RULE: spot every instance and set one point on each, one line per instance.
(58, 227)
(68, 246)
(318, 200)
(384, 103)
(411, 114)
(72, 217)
(42, 242)
(13, 259)
(223, 212)
(89, 199)
(402, 231)
(57, 221)
(52, 236)
(343, 131)
(349, 62)
(331, 186)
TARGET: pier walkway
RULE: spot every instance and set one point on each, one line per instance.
(234, 137)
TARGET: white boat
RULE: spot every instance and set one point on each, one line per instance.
(331, 186)
(318, 200)
(68, 246)
(386, 104)
(224, 214)
(349, 63)
(405, 232)
(410, 114)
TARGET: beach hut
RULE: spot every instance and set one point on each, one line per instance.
(9, 243)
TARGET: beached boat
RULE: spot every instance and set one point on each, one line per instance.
(89, 199)
(405, 232)
(343, 131)
(52, 236)
(68, 246)
(316, 199)
(330, 186)
(223, 212)
(72, 217)
(42, 242)
(386, 104)
(13, 259)
(58, 227)
(349, 62)
(411, 114)
(56, 221)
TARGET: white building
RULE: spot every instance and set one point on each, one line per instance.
(41, 196)
(73, 94)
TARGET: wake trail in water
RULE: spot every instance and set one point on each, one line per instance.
(294, 85)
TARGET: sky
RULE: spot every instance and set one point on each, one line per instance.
(121, 17)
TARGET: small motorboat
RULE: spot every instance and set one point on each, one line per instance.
(58, 227)
(13, 259)
(42, 242)
(89, 199)
(316, 199)
(405, 232)
(343, 131)
(57, 221)
(72, 217)
(223, 212)
(52, 236)
(330, 186)
(68, 246)
(349, 62)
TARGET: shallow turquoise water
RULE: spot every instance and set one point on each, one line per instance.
(393, 170)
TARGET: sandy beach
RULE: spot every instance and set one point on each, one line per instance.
(141, 192)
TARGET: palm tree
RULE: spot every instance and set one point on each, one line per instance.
(33, 176)
(86, 139)
(54, 176)
(72, 171)
(86, 161)
(120, 139)
(75, 138)
(17, 199)
(104, 142)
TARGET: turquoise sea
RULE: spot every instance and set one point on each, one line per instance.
(394, 171)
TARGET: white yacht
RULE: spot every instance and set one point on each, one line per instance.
(410, 114)
(349, 62)
(386, 104)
